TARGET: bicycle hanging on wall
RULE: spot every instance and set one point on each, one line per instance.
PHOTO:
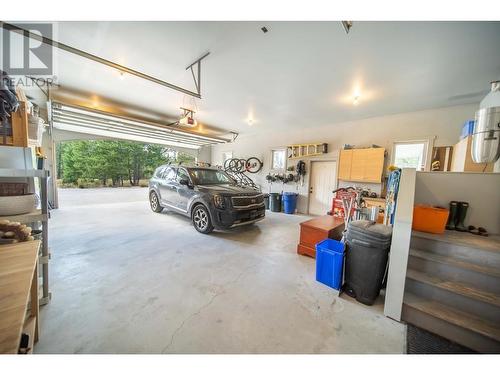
(237, 169)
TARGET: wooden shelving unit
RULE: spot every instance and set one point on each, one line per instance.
(306, 149)
(19, 285)
(19, 122)
(37, 216)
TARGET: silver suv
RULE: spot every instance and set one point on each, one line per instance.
(209, 196)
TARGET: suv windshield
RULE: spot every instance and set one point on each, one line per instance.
(210, 177)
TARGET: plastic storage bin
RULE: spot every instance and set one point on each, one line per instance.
(467, 129)
(367, 252)
(330, 262)
(429, 219)
(275, 202)
(289, 202)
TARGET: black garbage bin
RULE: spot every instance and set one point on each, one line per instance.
(266, 201)
(275, 202)
(367, 252)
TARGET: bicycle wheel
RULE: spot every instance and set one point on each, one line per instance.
(253, 165)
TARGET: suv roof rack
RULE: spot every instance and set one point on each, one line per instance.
(190, 164)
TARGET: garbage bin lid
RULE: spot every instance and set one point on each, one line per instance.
(369, 228)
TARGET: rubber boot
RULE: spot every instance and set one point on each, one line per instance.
(462, 212)
(450, 225)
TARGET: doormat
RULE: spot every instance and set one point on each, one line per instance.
(420, 341)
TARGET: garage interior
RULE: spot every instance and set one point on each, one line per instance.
(337, 126)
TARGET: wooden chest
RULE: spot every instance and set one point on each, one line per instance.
(317, 229)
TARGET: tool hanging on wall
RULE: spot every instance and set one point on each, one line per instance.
(301, 171)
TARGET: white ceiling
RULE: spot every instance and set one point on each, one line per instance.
(299, 74)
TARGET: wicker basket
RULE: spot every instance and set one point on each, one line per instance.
(8, 189)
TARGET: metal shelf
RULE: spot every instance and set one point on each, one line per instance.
(30, 217)
(4, 172)
(40, 215)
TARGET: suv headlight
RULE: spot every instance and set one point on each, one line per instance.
(219, 201)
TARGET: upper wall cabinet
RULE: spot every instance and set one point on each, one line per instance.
(362, 165)
(345, 164)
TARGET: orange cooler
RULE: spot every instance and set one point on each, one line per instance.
(429, 219)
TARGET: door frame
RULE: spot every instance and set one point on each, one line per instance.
(309, 164)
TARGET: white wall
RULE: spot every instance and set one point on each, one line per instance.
(443, 123)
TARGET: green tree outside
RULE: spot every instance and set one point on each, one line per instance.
(116, 161)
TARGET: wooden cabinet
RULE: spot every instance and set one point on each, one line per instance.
(362, 165)
(345, 164)
(461, 160)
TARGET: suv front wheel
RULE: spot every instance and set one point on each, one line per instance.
(201, 220)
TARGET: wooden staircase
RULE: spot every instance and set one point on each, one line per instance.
(452, 288)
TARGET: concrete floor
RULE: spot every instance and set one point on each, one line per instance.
(127, 280)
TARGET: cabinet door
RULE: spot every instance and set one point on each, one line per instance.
(374, 164)
(345, 165)
(358, 165)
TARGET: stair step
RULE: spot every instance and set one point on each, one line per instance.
(453, 316)
(465, 239)
(447, 267)
(467, 247)
(451, 261)
(455, 287)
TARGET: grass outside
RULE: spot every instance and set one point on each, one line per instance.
(88, 184)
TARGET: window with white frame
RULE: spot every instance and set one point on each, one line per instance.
(411, 154)
(226, 156)
(278, 159)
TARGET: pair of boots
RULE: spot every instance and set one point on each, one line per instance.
(458, 211)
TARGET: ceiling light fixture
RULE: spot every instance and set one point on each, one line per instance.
(356, 99)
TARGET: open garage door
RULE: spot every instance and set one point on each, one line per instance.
(90, 121)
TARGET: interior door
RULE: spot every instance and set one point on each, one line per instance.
(323, 182)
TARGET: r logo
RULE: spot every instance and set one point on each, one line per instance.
(30, 56)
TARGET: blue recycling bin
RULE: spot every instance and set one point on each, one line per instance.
(289, 202)
(330, 262)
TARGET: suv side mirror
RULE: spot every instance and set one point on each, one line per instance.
(185, 182)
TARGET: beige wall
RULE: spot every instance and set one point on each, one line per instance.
(480, 190)
(443, 123)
